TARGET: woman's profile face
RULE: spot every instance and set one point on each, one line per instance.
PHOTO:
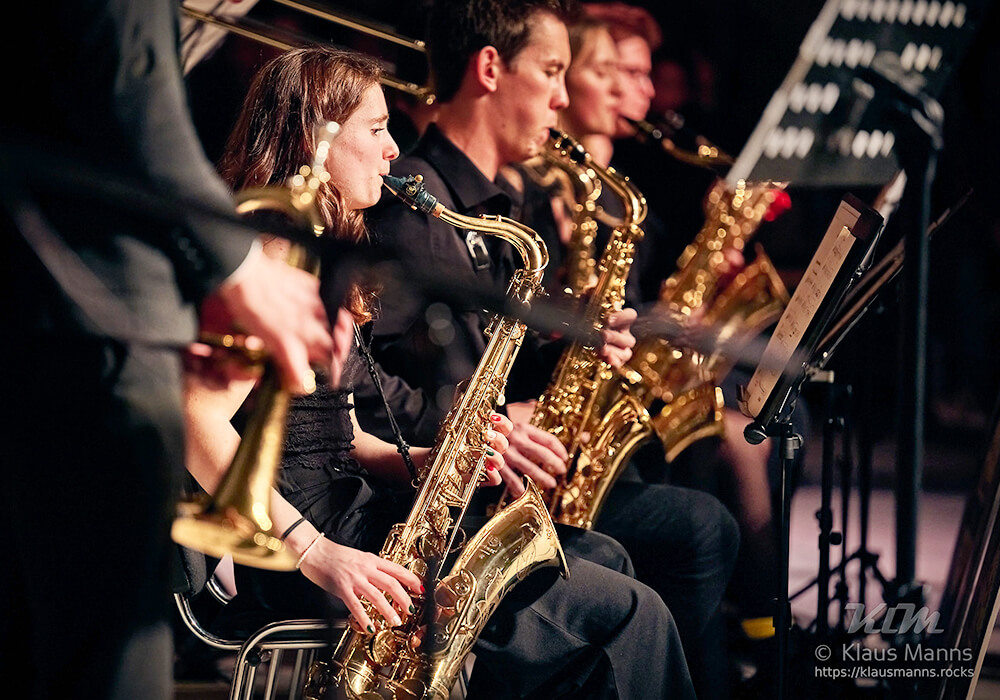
(594, 87)
(360, 155)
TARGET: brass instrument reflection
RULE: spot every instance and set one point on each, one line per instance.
(236, 519)
(284, 39)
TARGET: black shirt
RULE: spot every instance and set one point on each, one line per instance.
(434, 346)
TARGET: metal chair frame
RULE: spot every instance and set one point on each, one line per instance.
(265, 646)
(269, 644)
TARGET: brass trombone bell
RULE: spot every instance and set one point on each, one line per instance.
(286, 39)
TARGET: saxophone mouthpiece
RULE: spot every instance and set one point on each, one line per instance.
(411, 190)
(645, 128)
(563, 142)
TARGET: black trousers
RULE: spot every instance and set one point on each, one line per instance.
(597, 634)
(92, 447)
(682, 542)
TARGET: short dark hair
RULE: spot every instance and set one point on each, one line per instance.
(457, 29)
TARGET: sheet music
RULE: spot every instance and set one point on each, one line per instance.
(805, 301)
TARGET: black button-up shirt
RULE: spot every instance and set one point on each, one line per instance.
(435, 346)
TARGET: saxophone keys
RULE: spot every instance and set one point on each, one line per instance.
(430, 545)
(372, 695)
(418, 567)
(410, 689)
(383, 647)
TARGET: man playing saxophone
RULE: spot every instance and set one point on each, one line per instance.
(340, 489)
(744, 475)
(648, 519)
(500, 88)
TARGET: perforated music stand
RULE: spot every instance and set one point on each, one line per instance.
(827, 125)
(770, 395)
(859, 104)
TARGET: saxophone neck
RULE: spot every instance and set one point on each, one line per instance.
(704, 154)
(568, 150)
(525, 240)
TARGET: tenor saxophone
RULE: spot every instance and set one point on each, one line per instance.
(574, 406)
(579, 187)
(514, 542)
(668, 391)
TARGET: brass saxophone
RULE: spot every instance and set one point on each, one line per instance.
(573, 407)
(735, 312)
(579, 187)
(515, 541)
(668, 391)
(677, 384)
(697, 293)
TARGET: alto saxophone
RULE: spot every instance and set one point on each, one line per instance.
(514, 542)
(573, 407)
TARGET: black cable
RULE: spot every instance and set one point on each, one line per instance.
(401, 445)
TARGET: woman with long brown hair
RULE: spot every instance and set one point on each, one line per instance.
(330, 515)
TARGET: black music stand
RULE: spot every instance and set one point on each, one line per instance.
(769, 397)
(837, 423)
(858, 105)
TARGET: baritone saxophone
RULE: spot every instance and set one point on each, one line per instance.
(514, 542)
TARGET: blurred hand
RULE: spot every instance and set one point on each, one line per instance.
(618, 338)
(280, 305)
(733, 263)
(217, 365)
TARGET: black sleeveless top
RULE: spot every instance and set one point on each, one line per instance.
(322, 479)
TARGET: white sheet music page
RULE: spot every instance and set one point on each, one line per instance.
(805, 301)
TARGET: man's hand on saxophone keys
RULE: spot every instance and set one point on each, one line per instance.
(533, 452)
(618, 338)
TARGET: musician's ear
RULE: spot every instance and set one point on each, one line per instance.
(487, 65)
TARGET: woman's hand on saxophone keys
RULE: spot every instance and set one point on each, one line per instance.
(351, 574)
(618, 338)
(496, 445)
